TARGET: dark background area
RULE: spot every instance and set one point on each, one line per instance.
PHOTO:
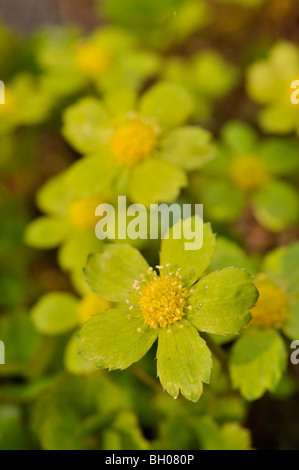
(26, 15)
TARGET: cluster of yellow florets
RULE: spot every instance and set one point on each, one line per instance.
(133, 140)
(162, 297)
(248, 172)
(81, 213)
(271, 307)
(92, 59)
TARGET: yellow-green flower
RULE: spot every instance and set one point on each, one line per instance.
(69, 225)
(26, 103)
(170, 303)
(247, 171)
(269, 84)
(258, 357)
(137, 147)
(58, 313)
(108, 58)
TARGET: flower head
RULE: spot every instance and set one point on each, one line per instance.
(133, 140)
(92, 59)
(67, 224)
(259, 356)
(108, 58)
(246, 172)
(269, 84)
(136, 143)
(271, 307)
(170, 303)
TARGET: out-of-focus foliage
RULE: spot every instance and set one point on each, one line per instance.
(269, 84)
(246, 171)
(185, 101)
(159, 24)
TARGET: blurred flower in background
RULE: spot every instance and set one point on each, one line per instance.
(184, 101)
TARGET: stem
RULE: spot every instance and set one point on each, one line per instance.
(217, 350)
(145, 378)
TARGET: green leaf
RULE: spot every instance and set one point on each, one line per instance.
(114, 341)
(276, 206)
(137, 66)
(280, 155)
(156, 180)
(55, 313)
(127, 425)
(53, 196)
(22, 343)
(239, 137)
(12, 431)
(188, 147)
(258, 361)
(74, 363)
(112, 273)
(133, 14)
(262, 83)
(120, 101)
(283, 264)
(168, 103)
(291, 325)
(90, 175)
(82, 123)
(278, 118)
(184, 361)
(192, 262)
(228, 253)
(221, 301)
(46, 232)
(284, 60)
(66, 413)
(231, 436)
(223, 201)
(73, 253)
(212, 75)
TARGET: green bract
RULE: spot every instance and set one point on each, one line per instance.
(269, 84)
(246, 171)
(123, 336)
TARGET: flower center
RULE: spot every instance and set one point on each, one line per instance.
(162, 297)
(248, 172)
(81, 213)
(271, 307)
(92, 59)
(133, 141)
(90, 305)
